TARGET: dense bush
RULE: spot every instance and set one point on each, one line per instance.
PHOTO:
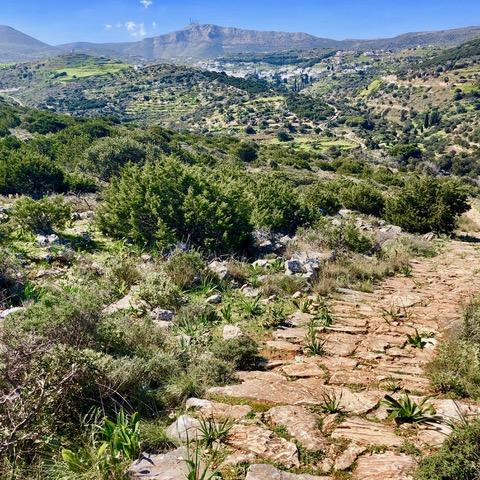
(41, 216)
(167, 202)
(108, 155)
(363, 198)
(318, 200)
(457, 459)
(426, 204)
(456, 368)
(45, 122)
(247, 151)
(275, 205)
(30, 174)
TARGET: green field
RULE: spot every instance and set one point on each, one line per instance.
(372, 88)
(90, 70)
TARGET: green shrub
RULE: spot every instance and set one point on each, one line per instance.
(167, 202)
(275, 205)
(318, 200)
(45, 122)
(363, 198)
(44, 216)
(456, 367)
(247, 151)
(457, 459)
(241, 352)
(427, 204)
(157, 290)
(31, 174)
(185, 268)
(108, 155)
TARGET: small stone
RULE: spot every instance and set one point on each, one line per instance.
(184, 429)
(231, 331)
(161, 315)
(297, 295)
(260, 263)
(348, 457)
(293, 267)
(10, 311)
(214, 299)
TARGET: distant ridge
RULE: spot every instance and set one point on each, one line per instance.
(17, 46)
(211, 41)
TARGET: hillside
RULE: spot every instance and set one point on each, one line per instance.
(17, 46)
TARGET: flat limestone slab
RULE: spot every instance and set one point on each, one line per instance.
(300, 424)
(211, 409)
(363, 432)
(384, 466)
(263, 443)
(306, 391)
(269, 472)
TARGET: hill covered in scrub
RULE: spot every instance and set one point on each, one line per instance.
(257, 267)
(146, 268)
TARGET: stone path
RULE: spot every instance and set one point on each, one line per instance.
(366, 355)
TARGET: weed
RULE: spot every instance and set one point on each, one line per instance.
(211, 431)
(331, 403)
(314, 345)
(417, 340)
(406, 410)
(252, 307)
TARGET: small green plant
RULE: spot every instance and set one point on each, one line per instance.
(392, 385)
(252, 307)
(197, 467)
(211, 431)
(227, 312)
(113, 443)
(406, 410)
(304, 306)
(324, 316)
(331, 403)
(314, 345)
(406, 270)
(276, 265)
(417, 341)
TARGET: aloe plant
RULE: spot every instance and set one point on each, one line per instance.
(406, 410)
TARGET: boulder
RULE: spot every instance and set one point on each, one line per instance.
(185, 429)
(219, 268)
(231, 331)
(124, 303)
(293, 267)
(264, 443)
(168, 466)
(212, 409)
(301, 424)
(384, 466)
(348, 457)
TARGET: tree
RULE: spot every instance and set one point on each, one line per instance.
(247, 151)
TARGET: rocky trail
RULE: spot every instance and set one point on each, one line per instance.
(280, 414)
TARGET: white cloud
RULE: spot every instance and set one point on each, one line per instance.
(131, 26)
(108, 26)
(136, 30)
(146, 3)
(154, 24)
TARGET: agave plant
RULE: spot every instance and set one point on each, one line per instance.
(211, 431)
(406, 410)
(331, 403)
(417, 341)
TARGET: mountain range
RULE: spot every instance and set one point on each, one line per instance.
(211, 41)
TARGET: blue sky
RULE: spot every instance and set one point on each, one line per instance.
(60, 21)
